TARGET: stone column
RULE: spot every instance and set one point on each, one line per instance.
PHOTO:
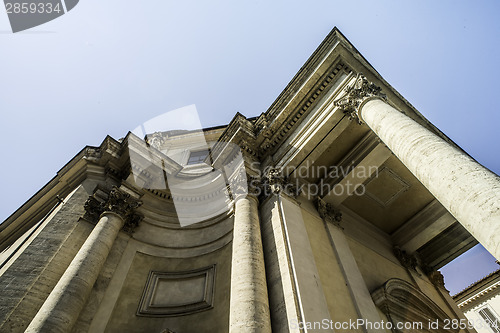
(469, 191)
(62, 307)
(249, 304)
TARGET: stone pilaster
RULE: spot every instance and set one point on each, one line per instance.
(62, 307)
(361, 298)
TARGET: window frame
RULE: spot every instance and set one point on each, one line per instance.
(199, 160)
(494, 327)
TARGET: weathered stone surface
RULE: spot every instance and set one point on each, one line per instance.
(249, 301)
(468, 190)
(306, 270)
(62, 308)
(37, 270)
(87, 314)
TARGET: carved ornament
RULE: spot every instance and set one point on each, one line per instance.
(434, 276)
(329, 213)
(275, 182)
(407, 260)
(156, 139)
(117, 202)
(361, 90)
(243, 184)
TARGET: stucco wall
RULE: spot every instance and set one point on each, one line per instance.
(494, 305)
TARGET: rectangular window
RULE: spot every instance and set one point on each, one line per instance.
(196, 157)
(490, 319)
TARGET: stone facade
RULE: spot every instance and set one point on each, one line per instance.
(329, 212)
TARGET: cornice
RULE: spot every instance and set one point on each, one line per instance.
(305, 72)
(273, 132)
(479, 292)
(238, 124)
(97, 163)
(261, 137)
(239, 133)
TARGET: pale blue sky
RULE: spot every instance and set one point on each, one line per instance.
(108, 66)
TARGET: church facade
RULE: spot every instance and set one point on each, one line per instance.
(330, 212)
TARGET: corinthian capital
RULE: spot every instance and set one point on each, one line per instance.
(243, 184)
(435, 276)
(407, 260)
(328, 213)
(361, 90)
(276, 182)
(117, 202)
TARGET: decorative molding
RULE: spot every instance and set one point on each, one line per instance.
(117, 201)
(399, 185)
(408, 261)
(436, 279)
(478, 297)
(248, 148)
(243, 184)
(276, 131)
(356, 94)
(479, 292)
(156, 140)
(328, 213)
(178, 293)
(239, 129)
(263, 126)
(402, 302)
(275, 182)
(93, 154)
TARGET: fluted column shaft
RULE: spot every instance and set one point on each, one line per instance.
(249, 305)
(62, 308)
(469, 191)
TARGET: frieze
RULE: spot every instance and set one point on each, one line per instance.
(273, 136)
